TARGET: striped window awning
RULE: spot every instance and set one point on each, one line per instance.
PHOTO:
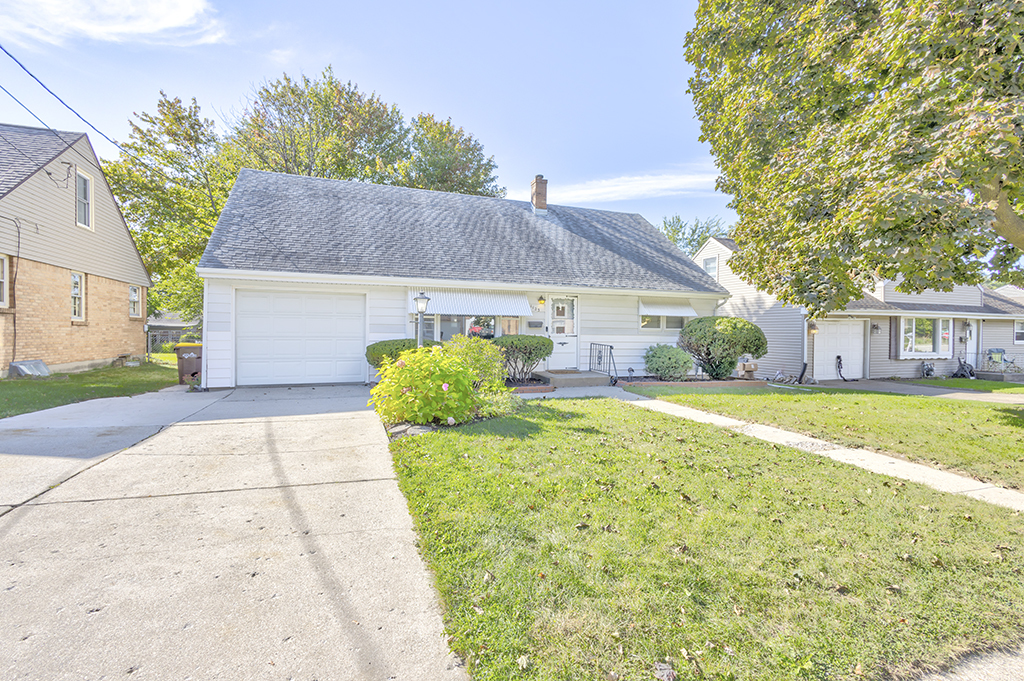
(480, 303)
(656, 307)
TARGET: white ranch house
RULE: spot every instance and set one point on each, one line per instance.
(301, 274)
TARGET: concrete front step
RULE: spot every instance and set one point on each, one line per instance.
(577, 379)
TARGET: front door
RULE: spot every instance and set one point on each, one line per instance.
(563, 331)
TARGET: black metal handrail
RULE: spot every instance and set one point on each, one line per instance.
(602, 361)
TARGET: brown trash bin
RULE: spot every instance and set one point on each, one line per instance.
(190, 361)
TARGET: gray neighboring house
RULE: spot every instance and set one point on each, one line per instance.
(301, 274)
(886, 333)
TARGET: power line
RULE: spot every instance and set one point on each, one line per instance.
(68, 106)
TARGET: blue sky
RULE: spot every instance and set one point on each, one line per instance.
(591, 95)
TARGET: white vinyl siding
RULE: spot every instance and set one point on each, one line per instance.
(53, 236)
(783, 325)
(960, 295)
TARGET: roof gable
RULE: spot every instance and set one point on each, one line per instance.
(24, 151)
(288, 223)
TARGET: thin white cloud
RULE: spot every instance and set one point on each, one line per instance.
(165, 22)
(627, 188)
(281, 57)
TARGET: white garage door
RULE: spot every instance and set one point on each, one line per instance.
(845, 339)
(297, 337)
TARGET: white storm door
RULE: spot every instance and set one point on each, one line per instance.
(839, 339)
(296, 337)
(563, 331)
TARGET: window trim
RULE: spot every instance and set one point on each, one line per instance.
(137, 301)
(1015, 332)
(89, 201)
(704, 263)
(5, 275)
(662, 324)
(81, 296)
(934, 354)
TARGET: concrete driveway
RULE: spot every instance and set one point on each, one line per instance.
(904, 388)
(251, 534)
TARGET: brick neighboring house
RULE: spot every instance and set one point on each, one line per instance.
(72, 284)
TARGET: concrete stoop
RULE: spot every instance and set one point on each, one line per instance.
(576, 379)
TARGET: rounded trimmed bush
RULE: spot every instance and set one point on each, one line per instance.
(668, 362)
(391, 349)
(523, 353)
(716, 343)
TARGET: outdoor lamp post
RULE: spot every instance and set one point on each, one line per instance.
(421, 306)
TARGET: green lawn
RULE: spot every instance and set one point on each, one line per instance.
(169, 358)
(22, 395)
(1007, 387)
(985, 441)
(589, 539)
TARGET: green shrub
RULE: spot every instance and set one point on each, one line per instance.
(716, 343)
(484, 358)
(667, 362)
(425, 385)
(523, 353)
(391, 349)
(166, 347)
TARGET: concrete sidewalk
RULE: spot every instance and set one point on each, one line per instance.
(260, 536)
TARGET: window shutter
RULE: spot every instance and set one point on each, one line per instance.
(894, 337)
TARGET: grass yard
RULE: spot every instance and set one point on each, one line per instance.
(22, 395)
(1006, 387)
(985, 441)
(588, 539)
(168, 358)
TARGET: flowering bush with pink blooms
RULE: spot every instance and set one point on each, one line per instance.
(426, 385)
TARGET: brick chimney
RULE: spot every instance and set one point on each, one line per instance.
(539, 195)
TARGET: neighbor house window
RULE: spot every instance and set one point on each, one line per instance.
(134, 302)
(84, 195)
(77, 295)
(923, 337)
(711, 266)
(657, 322)
(4, 268)
(1018, 332)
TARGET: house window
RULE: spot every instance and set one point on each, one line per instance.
(4, 268)
(84, 200)
(656, 322)
(1018, 333)
(923, 337)
(711, 266)
(77, 295)
(134, 302)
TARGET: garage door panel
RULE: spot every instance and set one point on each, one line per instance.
(299, 337)
(844, 339)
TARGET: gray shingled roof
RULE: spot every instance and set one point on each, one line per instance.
(289, 223)
(24, 150)
(727, 242)
(995, 305)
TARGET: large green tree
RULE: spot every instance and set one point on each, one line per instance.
(690, 236)
(865, 139)
(175, 171)
(171, 181)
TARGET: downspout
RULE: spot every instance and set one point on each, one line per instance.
(206, 317)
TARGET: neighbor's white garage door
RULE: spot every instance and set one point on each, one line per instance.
(298, 337)
(845, 339)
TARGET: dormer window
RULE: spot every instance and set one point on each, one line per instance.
(84, 200)
(711, 266)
